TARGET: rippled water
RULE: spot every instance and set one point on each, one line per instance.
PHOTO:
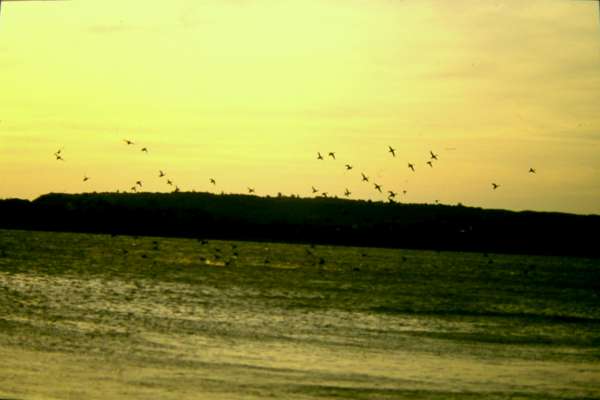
(90, 316)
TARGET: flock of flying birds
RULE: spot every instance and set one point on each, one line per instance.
(139, 183)
(391, 195)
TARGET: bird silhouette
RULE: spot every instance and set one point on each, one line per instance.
(145, 150)
(364, 177)
(391, 194)
(139, 183)
(169, 182)
(430, 164)
(411, 166)
(495, 186)
(314, 189)
(324, 194)
(392, 150)
(347, 192)
(211, 180)
(319, 156)
(433, 155)
(133, 189)
(128, 142)
(532, 170)
(349, 167)
(176, 190)
(332, 154)
(86, 178)
(377, 187)
(404, 192)
(59, 157)
(160, 173)
(250, 190)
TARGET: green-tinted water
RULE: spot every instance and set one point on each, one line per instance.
(94, 316)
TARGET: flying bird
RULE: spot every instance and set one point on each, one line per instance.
(86, 178)
(145, 150)
(349, 167)
(211, 180)
(332, 154)
(411, 167)
(59, 157)
(377, 187)
(250, 190)
(430, 163)
(532, 170)
(495, 186)
(433, 155)
(139, 183)
(133, 189)
(391, 194)
(364, 177)
(392, 150)
(128, 142)
(169, 182)
(160, 173)
(314, 189)
(324, 194)
(319, 156)
(347, 192)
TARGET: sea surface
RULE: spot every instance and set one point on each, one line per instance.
(86, 316)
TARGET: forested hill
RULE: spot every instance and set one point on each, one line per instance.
(308, 220)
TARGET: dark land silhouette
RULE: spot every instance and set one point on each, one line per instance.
(307, 220)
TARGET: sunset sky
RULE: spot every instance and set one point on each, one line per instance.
(248, 91)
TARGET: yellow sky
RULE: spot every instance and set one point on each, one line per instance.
(248, 91)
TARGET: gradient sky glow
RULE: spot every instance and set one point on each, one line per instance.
(247, 92)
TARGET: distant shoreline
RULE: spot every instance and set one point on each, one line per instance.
(330, 221)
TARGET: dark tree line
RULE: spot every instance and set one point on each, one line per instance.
(318, 220)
